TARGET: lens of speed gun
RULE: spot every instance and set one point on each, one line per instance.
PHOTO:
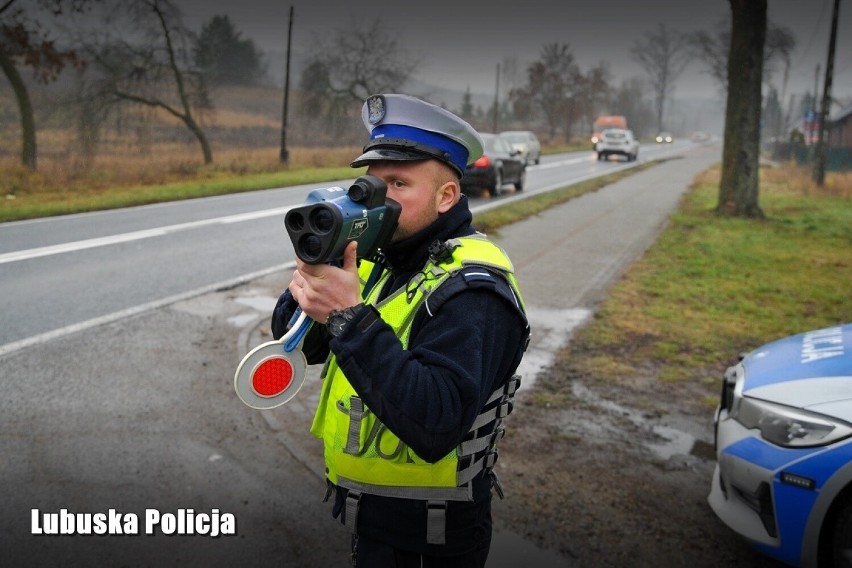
(331, 217)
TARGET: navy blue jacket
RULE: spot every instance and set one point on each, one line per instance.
(429, 394)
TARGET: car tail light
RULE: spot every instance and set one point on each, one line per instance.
(482, 162)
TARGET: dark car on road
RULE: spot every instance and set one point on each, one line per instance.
(499, 165)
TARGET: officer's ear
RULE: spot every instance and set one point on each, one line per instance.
(448, 195)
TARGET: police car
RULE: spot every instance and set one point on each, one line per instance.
(783, 478)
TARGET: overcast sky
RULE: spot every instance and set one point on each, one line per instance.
(461, 42)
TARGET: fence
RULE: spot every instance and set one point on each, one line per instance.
(836, 159)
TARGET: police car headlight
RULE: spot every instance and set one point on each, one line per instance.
(790, 427)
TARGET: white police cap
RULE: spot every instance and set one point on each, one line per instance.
(404, 128)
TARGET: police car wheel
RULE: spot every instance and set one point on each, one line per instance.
(841, 546)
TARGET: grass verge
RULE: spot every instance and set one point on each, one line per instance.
(53, 202)
(490, 221)
(122, 176)
(712, 287)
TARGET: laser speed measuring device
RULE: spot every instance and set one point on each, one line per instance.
(271, 374)
(331, 217)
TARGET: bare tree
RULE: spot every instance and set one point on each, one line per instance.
(712, 50)
(595, 93)
(23, 43)
(553, 83)
(738, 188)
(780, 44)
(359, 61)
(156, 69)
(511, 73)
(662, 55)
(630, 100)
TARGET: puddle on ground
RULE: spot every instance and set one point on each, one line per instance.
(550, 332)
(675, 442)
(666, 441)
(242, 319)
(262, 306)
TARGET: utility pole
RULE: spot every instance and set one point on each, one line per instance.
(816, 90)
(496, 100)
(284, 157)
(819, 162)
(811, 120)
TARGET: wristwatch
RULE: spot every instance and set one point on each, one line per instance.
(338, 319)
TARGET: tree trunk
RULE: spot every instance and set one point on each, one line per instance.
(738, 188)
(25, 107)
(186, 116)
(202, 138)
(569, 125)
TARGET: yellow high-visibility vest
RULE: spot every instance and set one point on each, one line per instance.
(362, 454)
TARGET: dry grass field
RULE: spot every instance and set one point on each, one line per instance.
(141, 146)
(142, 155)
(140, 150)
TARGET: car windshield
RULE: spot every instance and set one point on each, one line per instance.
(515, 137)
(614, 134)
(495, 144)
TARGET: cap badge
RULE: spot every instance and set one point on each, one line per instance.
(375, 109)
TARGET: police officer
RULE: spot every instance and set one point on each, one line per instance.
(420, 348)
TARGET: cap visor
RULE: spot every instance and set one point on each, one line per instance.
(388, 154)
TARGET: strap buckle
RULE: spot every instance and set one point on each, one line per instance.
(436, 522)
(350, 514)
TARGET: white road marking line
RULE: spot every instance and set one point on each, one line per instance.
(136, 235)
(135, 310)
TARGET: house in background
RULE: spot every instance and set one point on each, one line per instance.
(839, 140)
(840, 129)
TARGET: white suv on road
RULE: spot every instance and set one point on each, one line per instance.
(618, 141)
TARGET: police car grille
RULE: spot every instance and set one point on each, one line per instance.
(761, 502)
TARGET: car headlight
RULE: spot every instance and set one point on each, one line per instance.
(790, 427)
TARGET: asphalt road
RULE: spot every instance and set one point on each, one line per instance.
(136, 415)
(68, 273)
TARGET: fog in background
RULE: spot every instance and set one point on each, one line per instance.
(460, 44)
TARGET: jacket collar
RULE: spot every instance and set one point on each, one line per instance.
(410, 254)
